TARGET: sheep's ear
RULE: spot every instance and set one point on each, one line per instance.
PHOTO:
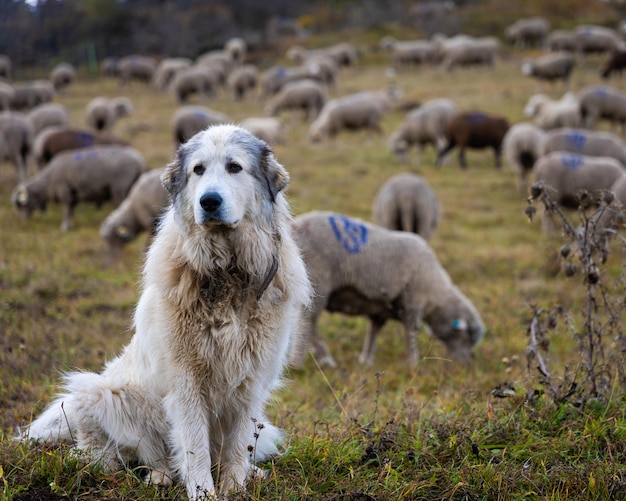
(275, 175)
(174, 176)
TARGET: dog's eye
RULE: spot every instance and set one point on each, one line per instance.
(233, 167)
(199, 169)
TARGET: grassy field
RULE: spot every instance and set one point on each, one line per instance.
(354, 433)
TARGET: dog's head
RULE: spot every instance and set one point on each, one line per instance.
(224, 174)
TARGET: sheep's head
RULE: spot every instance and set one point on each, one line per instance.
(25, 202)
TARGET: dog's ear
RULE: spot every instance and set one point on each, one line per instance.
(275, 175)
(174, 176)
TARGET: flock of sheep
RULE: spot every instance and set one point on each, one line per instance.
(561, 148)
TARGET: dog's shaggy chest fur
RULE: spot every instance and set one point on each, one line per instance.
(222, 291)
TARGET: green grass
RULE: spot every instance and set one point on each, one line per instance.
(386, 432)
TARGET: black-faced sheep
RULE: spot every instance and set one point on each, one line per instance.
(136, 68)
(363, 110)
(16, 134)
(358, 268)
(550, 67)
(522, 146)
(474, 129)
(528, 31)
(96, 174)
(306, 95)
(550, 114)
(565, 174)
(269, 129)
(48, 115)
(406, 202)
(53, 141)
(586, 142)
(189, 120)
(602, 102)
(614, 64)
(102, 113)
(139, 212)
(243, 80)
(62, 76)
(422, 126)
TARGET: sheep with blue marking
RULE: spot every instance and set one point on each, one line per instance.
(565, 175)
(586, 142)
(602, 102)
(358, 268)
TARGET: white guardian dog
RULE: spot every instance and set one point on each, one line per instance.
(223, 285)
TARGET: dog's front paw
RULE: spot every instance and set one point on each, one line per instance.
(157, 476)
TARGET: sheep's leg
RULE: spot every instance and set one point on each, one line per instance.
(369, 345)
(411, 344)
(497, 153)
(442, 153)
(462, 160)
(68, 216)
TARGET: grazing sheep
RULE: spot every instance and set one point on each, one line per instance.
(237, 49)
(474, 129)
(48, 115)
(424, 125)
(7, 95)
(562, 40)
(564, 174)
(139, 68)
(5, 67)
(274, 78)
(27, 95)
(167, 69)
(406, 202)
(406, 53)
(139, 212)
(614, 64)
(528, 31)
(110, 67)
(54, 140)
(591, 38)
(102, 113)
(343, 53)
(550, 67)
(358, 268)
(307, 95)
(550, 114)
(16, 136)
(522, 146)
(243, 80)
(586, 142)
(363, 110)
(468, 51)
(189, 120)
(197, 79)
(62, 76)
(95, 174)
(269, 129)
(597, 102)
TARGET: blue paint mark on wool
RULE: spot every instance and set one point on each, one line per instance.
(572, 162)
(351, 234)
(476, 117)
(576, 140)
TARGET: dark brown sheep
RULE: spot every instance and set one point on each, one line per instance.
(50, 143)
(474, 129)
(615, 64)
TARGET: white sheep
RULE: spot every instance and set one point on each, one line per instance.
(550, 67)
(7, 95)
(586, 142)
(189, 120)
(62, 76)
(363, 110)
(269, 129)
(565, 174)
(601, 101)
(139, 212)
(422, 126)
(527, 31)
(237, 49)
(406, 202)
(167, 69)
(136, 67)
(550, 114)
(243, 80)
(358, 268)
(592, 38)
(561, 40)
(6, 67)
(306, 95)
(406, 53)
(96, 174)
(16, 136)
(102, 113)
(197, 79)
(522, 146)
(464, 50)
(48, 115)
(274, 78)
(27, 95)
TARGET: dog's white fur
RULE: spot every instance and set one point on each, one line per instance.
(213, 327)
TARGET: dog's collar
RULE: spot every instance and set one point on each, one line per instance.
(268, 279)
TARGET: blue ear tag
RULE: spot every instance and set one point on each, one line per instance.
(459, 324)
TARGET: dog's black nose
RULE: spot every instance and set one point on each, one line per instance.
(211, 201)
